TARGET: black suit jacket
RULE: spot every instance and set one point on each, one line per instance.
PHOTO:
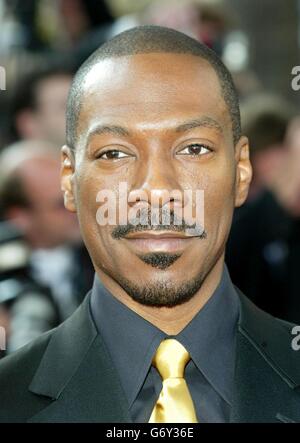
(67, 375)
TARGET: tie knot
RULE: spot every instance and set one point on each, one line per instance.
(170, 359)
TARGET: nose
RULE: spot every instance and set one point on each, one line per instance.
(157, 184)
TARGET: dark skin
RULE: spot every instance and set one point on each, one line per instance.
(154, 98)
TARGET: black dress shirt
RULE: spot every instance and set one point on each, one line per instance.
(209, 338)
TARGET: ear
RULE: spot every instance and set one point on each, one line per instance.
(67, 178)
(243, 171)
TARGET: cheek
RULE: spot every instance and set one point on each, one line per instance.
(89, 184)
(220, 195)
(218, 184)
(86, 189)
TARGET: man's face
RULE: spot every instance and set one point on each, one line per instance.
(157, 122)
(52, 94)
(46, 222)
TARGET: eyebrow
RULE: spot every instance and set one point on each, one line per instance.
(206, 122)
(120, 131)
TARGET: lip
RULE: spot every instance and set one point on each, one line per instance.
(145, 242)
(156, 235)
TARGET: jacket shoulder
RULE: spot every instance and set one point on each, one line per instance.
(16, 373)
(273, 338)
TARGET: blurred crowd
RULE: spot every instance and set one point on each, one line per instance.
(45, 270)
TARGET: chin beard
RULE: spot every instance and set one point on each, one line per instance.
(163, 293)
(160, 260)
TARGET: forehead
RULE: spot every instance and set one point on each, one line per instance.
(150, 88)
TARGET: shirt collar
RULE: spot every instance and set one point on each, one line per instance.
(210, 337)
(132, 341)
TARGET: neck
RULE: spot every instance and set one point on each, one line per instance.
(169, 320)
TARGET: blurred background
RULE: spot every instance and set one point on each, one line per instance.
(45, 270)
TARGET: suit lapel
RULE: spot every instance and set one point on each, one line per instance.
(77, 373)
(267, 369)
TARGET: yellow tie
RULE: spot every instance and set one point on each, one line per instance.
(175, 404)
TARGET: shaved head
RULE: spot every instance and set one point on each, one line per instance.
(143, 40)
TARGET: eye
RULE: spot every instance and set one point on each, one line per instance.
(195, 150)
(113, 154)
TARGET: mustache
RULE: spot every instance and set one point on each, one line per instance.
(145, 223)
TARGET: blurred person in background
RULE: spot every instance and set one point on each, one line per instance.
(50, 25)
(4, 326)
(203, 20)
(31, 200)
(263, 251)
(4, 319)
(39, 104)
(265, 120)
(81, 18)
(27, 308)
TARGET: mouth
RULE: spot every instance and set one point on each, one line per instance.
(163, 241)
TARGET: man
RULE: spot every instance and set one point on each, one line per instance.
(31, 200)
(263, 250)
(29, 307)
(39, 105)
(265, 120)
(30, 194)
(163, 336)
